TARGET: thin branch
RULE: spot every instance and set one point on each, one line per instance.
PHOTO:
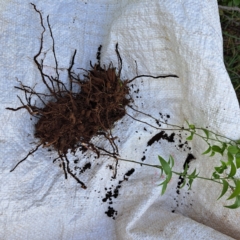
(225, 8)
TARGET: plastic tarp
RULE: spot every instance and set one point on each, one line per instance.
(163, 37)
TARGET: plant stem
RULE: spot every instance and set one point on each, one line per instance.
(145, 164)
(159, 167)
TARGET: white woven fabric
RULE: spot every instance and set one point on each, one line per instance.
(177, 37)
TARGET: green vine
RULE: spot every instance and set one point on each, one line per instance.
(224, 174)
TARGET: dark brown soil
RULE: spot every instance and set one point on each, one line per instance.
(113, 192)
(161, 135)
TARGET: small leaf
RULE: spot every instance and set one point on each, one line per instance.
(236, 203)
(207, 151)
(216, 148)
(236, 191)
(206, 132)
(161, 171)
(185, 170)
(191, 126)
(233, 170)
(215, 175)
(224, 146)
(190, 182)
(169, 176)
(212, 154)
(225, 188)
(219, 169)
(183, 184)
(193, 174)
(233, 149)
(190, 137)
(230, 157)
(165, 165)
(164, 187)
(171, 161)
(237, 160)
(224, 165)
(165, 183)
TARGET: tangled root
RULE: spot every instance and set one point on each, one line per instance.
(78, 116)
(72, 118)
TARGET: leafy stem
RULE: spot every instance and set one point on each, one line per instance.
(225, 174)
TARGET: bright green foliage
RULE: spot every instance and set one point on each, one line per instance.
(167, 169)
(223, 174)
(230, 3)
(231, 40)
(208, 150)
(236, 204)
(237, 156)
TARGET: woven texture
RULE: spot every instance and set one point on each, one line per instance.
(163, 37)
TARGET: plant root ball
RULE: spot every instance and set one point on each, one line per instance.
(77, 117)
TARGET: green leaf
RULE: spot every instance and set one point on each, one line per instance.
(212, 154)
(191, 126)
(236, 203)
(184, 183)
(207, 151)
(191, 177)
(165, 183)
(216, 148)
(166, 168)
(238, 141)
(224, 165)
(164, 187)
(185, 170)
(215, 175)
(206, 132)
(190, 137)
(169, 176)
(224, 146)
(193, 174)
(237, 160)
(230, 157)
(190, 182)
(233, 149)
(161, 171)
(233, 170)
(221, 168)
(171, 161)
(236, 191)
(225, 188)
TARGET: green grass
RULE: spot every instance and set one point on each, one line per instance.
(230, 22)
